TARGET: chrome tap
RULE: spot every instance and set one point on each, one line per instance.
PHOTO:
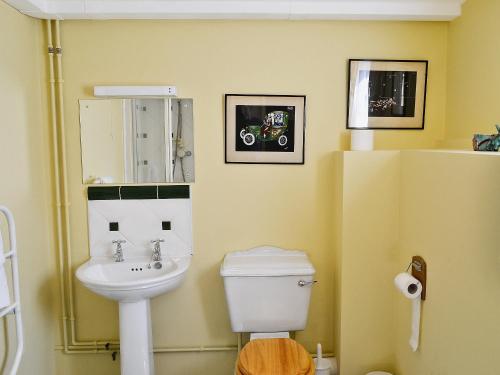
(157, 250)
(118, 254)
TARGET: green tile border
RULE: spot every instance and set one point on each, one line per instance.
(139, 192)
(103, 193)
(95, 193)
(173, 192)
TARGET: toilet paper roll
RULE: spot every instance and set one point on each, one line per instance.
(415, 324)
(362, 140)
(408, 285)
(411, 288)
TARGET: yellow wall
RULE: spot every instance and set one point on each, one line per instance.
(25, 185)
(449, 215)
(473, 74)
(238, 206)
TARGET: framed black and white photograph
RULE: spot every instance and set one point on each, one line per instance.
(265, 129)
(386, 94)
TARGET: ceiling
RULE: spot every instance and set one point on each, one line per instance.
(424, 10)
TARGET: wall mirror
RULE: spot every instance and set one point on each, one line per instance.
(137, 140)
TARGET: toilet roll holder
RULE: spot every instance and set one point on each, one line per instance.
(419, 271)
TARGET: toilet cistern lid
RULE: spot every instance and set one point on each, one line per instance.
(267, 261)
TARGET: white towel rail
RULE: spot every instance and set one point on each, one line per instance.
(15, 307)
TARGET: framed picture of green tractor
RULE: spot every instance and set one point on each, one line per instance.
(265, 129)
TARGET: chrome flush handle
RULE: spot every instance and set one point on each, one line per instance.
(303, 283)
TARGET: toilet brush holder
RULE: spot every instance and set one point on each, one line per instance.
(322, 365)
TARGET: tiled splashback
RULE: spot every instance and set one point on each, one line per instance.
(139, 214)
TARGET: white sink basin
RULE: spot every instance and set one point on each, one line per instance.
(134, 279)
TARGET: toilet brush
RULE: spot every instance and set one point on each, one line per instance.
(322, 364)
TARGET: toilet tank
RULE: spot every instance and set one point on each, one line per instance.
(267, 289)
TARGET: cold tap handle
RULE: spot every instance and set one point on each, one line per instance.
(157, 241)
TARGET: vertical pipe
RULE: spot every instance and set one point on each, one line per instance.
(239, 334)
(57, 182)
(64, 185)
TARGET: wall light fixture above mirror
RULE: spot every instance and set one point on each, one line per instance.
(137, 140)
(134, 91)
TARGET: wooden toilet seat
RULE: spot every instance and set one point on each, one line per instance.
(281, 356)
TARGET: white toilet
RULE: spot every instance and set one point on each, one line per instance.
(268, 291)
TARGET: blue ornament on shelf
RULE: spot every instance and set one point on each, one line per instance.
(483, 142)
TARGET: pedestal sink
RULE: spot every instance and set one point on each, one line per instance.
(141, 246)
(133, 283)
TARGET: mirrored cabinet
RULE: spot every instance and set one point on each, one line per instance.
(137, 140)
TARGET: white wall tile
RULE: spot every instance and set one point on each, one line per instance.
(140, 221)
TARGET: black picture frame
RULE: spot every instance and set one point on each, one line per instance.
(364, 114)
(249, 136)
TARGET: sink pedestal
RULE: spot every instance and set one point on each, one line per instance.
(136, 341)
